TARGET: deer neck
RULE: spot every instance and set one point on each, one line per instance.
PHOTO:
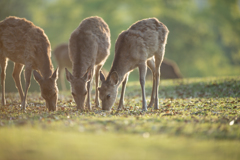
(121, 71)
(79, 70)
(46, 69)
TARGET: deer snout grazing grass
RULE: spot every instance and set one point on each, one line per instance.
(142, 45)
(89, 46)
(49, 90)
(26, 44)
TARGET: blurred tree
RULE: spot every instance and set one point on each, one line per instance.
(14, 7)
(226, 24)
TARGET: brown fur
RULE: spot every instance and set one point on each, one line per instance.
(61, 56)
(135, 47)
(89, 48)
(26, 44)
(169, 70)
(63, 61)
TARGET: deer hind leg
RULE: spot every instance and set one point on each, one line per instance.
(62, 79)
(17, 78)
(158, 62)
(28, 73)
(151, 65)
(142, 75)
(121, 105)
(3, 63)
(96, 90)
(89, 89)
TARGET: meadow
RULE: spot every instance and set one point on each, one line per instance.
(199, 118)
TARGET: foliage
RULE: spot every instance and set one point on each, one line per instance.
(196, 116)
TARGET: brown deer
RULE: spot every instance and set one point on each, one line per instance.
(89, 48)
(26, 44)
(138, 46)
(63, 61)
(169, 70)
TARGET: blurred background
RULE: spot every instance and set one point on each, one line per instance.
(204, 38)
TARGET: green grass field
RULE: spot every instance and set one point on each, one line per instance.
(198, 119)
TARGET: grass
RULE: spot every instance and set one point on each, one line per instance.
(198, 119)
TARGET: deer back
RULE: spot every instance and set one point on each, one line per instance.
(25, 43)
(137, 44)
(89, 45)
(62, 56)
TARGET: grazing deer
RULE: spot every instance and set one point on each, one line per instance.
(169, 70)
(26, 44)
(89, 48)
(138, 46)
(63, 61)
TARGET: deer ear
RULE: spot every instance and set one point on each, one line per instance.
(114, 78)
(55, 75)
(69, 76)
(37, 76)
(102, 77)
(87, 76)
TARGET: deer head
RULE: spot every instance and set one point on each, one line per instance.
(49, 90)
(108, 90)
(79, 87)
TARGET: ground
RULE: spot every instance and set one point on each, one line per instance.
(199, 118)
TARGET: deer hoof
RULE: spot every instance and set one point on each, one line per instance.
(150, 105)
(3, 102)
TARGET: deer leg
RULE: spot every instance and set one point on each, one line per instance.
(96, 90)
(142, 73)
(16, 76)
(62, 79)
(121, 105)
(151, 65)
(3, 62)
(28, 73)
(158, 62)
(88, 103)
(89, 88)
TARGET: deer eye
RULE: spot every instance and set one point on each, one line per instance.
(85, 93)
(73, 94)
(108, 96)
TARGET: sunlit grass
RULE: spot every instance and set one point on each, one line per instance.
(30, 143)
(198, 119)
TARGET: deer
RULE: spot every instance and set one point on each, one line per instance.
(141, 45)
(27, 45)
(62, 58)
(89, 47)
(169, 70)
